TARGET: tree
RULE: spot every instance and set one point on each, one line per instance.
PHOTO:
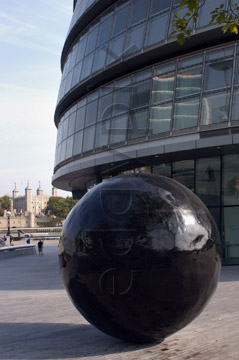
(227, 16)
(59, 206)
(4, 204)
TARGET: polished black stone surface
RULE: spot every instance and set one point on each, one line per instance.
(140, 257)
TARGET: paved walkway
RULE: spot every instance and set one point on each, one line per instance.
(38, 321)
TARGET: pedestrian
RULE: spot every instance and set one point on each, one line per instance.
(40, 247)
(11, 240)
(27, 238)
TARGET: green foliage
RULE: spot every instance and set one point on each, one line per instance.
(228, 17)
(59, 206)
(4, 204)
(51, 223)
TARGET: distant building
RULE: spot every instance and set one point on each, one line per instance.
(27, 210)
(30, 203)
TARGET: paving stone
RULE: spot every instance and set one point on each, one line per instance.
(38, 320)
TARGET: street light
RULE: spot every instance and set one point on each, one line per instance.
(8, 223)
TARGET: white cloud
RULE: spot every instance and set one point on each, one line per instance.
(61, 6)
(22, 37)
(16, 31)
(13, 20)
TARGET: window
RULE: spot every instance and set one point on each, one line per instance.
(81, 49)
(231, 231)
(208, 180)
(160, 118)
(80, 118)
(181, 12)
(73, 56)
(183, 172)
(237, 69)
(57, 156)
(162, 169)
(118, 129)
(87, 65)
(69, 147)
(121, 19)
(99, 59)
(68, 82)
(218, 74)
(158, 6)
(105, 30)
(142, 75)
(91, 113)
(188, 82)
(220, 53)
(205, 10)
(77, 143)
(186, 113)
(89, 136)
(138, 124)
(59, 133)
(115, 49)
(156, 29)
(140, 94)
(71, 125)
(121, 100)
(64, 129)
(105, 107)
(102, 134)
(215, 108)
(62, 151)
(163, 88)
(134, 39)
(139, 11)
(190, 61)
(76, 74)
(163, 69)
(230, 179)
(91, 41)
(235, 107)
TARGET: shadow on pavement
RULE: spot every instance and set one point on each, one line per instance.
(229, 273)
(40, 341)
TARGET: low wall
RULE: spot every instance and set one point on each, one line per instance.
(17, 250)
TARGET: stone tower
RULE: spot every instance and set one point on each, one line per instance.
(15, 192)
(54, 191)
(39, 190)
(28, 195)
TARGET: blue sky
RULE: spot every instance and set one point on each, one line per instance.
(32, 35)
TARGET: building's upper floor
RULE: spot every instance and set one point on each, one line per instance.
(109, 38)
(129, 91)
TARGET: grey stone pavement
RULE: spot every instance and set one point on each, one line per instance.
(38, 320)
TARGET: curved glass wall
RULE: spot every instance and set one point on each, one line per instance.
(189, 94)
(128, 27)
(81, 7)
(215, 180)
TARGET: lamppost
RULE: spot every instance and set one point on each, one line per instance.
(8, 223)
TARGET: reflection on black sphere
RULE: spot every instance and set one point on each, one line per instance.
(115, 202)
(139, 257)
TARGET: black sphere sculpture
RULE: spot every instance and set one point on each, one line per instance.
(139, 257)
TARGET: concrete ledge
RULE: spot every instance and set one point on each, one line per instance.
(7, 252)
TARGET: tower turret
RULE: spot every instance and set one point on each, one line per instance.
(28, 195)
(39, 190)
(54, 191)
(15, 192)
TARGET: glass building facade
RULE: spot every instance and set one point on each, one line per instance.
(132, 99)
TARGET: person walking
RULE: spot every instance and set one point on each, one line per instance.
(40, 247)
